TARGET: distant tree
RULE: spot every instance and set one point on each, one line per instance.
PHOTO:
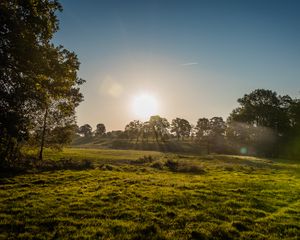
(60, 136)
(211, 132)
(267, 115)
(217, 134)
(116, 134)
(203, 132)
(202, 128)
(76, 129)
(239, 135)
(217, 126)
(185, 128)
(290, 142)
(175, 127)
(294, 112)
(146, 131)
(193, 132)
(100, 129)
(133, 129)
(263, 108)
(181, 127)
(159, 127)
(86, 130)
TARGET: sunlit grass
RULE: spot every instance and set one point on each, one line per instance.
(129, 196)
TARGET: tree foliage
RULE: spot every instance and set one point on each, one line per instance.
(39, 84)
(133, 129)
(181, 128)
(85, 130)
(159, 127)
(211, 132)
(263, 108)
(264, 121)
(100, 129)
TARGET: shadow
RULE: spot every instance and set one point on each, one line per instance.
(45, 166)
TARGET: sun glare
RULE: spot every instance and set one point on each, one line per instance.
(144, 106)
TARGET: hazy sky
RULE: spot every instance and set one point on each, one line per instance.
(194, 57)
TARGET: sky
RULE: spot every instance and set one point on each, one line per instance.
(194, 58)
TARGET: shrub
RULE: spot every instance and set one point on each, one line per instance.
(172, 165)
(107, 167)
(184, 166)
(64, 164)
(144, 159)
(190, 168)
(158, 165)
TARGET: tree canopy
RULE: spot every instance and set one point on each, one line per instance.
(181, 127)
(40, 87)
(100, 129)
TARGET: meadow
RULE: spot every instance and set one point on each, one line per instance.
(127, 194)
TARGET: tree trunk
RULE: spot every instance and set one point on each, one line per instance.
(155, 134)
(208, 147)
(43, 135)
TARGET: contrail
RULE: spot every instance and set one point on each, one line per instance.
(189, 64)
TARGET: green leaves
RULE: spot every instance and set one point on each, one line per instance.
(36, 75)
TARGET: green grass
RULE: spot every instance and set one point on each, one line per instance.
(129, 196)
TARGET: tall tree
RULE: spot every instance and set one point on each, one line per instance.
(35, 76)
(291, 141)
(146, 131)
(59, 91)
(217, 134)
(100, 129)
(203, 132)
(86, 130)
(263, 108)
(239, 134)
(159, 127)
(181, 127)
(211, 132)
(217, 126)
(202, 128)
(25, 28)
(133, 129)
(267, 115)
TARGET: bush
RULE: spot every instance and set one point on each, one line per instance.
(145, 159)
(107, 167)
(64, 164)
(151, 231)
(158, 165)
(184, 166)
(192, 169)
(172, 165)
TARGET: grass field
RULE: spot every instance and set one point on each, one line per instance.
(151, 195)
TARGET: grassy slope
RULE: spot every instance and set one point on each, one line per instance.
(172, 145)
(235, 198)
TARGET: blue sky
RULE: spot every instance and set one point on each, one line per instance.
(195, 57)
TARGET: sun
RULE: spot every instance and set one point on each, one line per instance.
(145, 106)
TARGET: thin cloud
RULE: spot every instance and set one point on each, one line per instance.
(189, 64)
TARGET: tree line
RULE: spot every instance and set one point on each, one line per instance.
(264, 124)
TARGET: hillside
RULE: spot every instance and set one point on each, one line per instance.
(171, 145)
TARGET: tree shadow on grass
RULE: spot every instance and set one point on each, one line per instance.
(33, 166)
